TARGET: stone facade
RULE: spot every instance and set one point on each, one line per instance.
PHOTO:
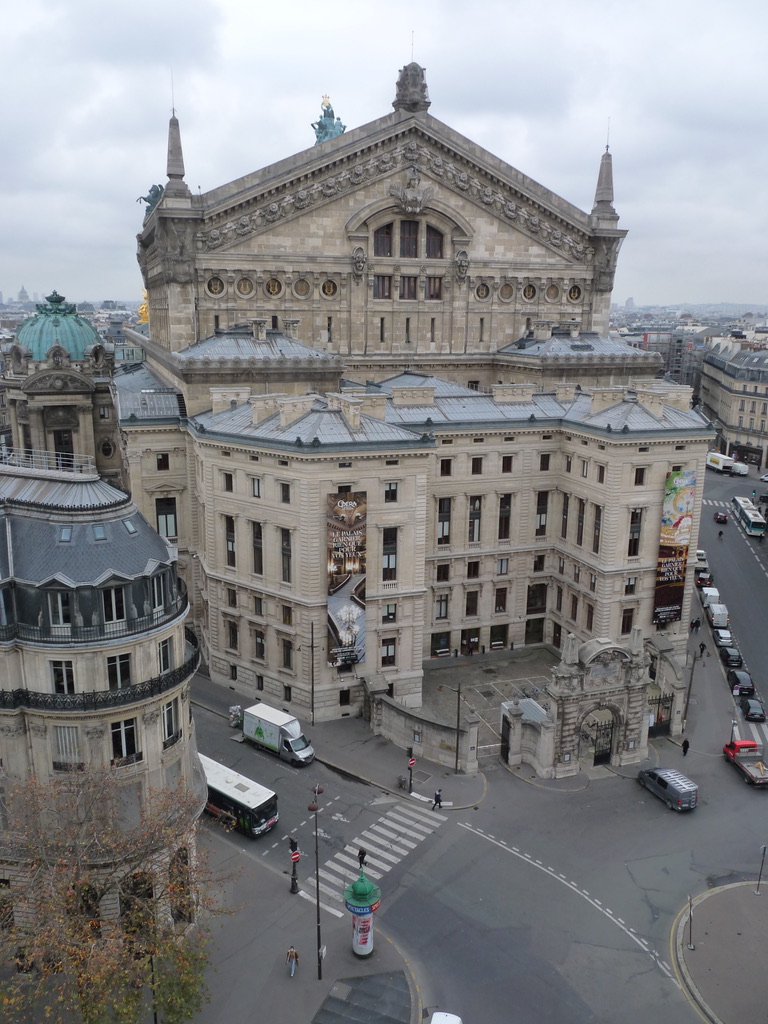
(397, 315)
(400, 243)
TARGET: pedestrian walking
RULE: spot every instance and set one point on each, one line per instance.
(686, 746)
(693, 624)
(292, 959)
(697, 624)
(438, 799)
(702, 648)
(361, 855)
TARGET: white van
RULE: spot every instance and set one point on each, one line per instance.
(740, 469)
(718, 616)
(709, 595)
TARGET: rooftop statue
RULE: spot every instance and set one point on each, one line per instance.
(152, 198)
(326, 127)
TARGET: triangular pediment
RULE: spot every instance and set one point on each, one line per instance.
(395, 161)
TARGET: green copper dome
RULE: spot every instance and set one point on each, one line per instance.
(56, 324)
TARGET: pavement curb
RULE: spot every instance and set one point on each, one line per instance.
(679, 944)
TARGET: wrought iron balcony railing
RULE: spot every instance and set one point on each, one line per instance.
(90, 634)
(97, 700)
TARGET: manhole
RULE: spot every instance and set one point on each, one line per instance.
(487, 693)
(489, 671)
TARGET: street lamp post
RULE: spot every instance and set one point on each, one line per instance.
(312, 672)
(458, 727)
(760, 874)
(314, 808)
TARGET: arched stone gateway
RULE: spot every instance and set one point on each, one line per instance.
(595, 710)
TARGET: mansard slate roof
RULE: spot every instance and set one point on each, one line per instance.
(319, 426)
(57, 324)
(33, 513)
(141, 394)
(239, 343)
(743, 365)
(459, 406)
(586, 343)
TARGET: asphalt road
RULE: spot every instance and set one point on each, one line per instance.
(545, 905)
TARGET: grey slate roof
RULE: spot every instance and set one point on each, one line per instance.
(319, 424)
(33, 512)
(241, 344)
(563, 346)
(54, 492)
(455, 405)
(141, 393)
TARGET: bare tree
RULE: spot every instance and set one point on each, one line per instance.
(104, 904)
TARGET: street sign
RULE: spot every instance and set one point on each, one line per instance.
(295, 856)
(411, 762)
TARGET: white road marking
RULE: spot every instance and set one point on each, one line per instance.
(579, 892)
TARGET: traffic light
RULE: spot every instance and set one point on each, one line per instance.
(294, 845)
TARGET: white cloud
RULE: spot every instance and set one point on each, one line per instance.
(85, 123)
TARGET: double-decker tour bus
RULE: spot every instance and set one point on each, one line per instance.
(749, 516)
(237, 801)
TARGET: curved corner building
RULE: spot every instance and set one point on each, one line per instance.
(95, 659)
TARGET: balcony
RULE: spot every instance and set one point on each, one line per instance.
(103, 700)
(46, 461)
(72, 633)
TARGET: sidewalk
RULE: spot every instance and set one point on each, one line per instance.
(724, 972)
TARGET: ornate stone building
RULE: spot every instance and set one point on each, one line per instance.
(400, 244)
(381, 420)
(56, 380)
(95, 654)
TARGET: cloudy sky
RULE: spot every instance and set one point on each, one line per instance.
(87, 96)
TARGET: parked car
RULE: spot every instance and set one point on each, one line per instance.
(724, 638)
(703, 577)
(721, 517)
(739, 677)
(752, 709)
(762, 499)
(731, 657)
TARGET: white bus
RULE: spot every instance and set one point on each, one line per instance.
(237, 801)
(749, 517)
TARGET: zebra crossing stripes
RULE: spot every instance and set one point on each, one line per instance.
(387, 841)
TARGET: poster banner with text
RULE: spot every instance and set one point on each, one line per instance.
(676, 527)
(346, 534)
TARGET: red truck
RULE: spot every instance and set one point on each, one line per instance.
(747, 757)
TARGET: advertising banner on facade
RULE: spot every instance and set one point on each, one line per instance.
(347, 515)
(676, 527)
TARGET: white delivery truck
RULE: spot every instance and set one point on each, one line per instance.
(720, 463)
(277, 731)
(709, 595)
